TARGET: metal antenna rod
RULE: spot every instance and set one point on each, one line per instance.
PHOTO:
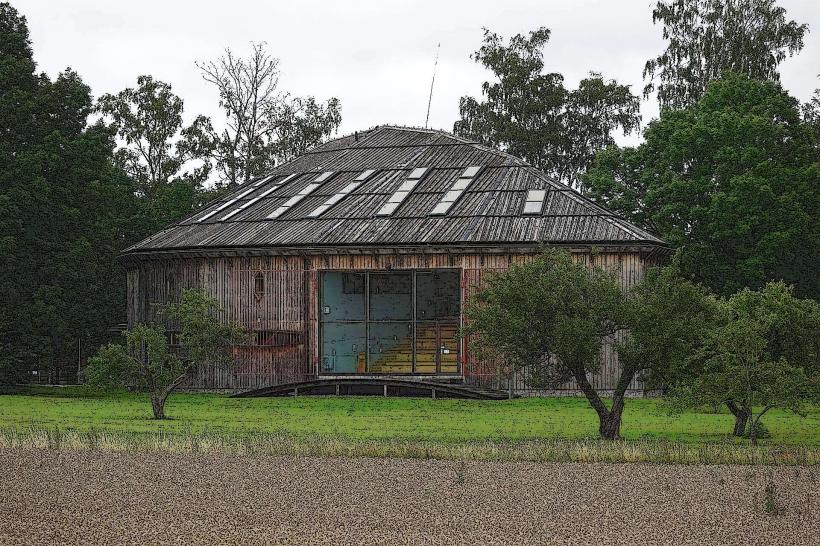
(432, 83)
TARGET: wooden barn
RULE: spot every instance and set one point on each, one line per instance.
(355, 259)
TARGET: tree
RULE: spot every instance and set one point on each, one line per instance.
(62, 211)
(532, 115)
(149, 120)
(708, 38)
(263, 126)
(301, 123)
(733, 182)
(145, 362)
(811, 115)
(148, 363)
(552, 314)
(669, 319)
(764, 355)
(167, 162)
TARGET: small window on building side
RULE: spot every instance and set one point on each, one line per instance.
(259, 285)
(171, 286)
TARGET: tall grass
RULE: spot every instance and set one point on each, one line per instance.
(277, 444)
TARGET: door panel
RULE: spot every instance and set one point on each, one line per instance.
(390, 347)
(343, 347)
(436, 347)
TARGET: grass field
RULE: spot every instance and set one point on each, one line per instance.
(379, 419)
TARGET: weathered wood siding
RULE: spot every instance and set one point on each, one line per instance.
(286, 318)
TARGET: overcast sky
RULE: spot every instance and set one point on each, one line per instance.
(376, 56)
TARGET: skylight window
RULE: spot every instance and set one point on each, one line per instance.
(417, 173)
(455, 191)
(365, 175)
(265, 193)
(227, 204)
(342, 193)
(534, 203)
(310, 188)
(404, 190)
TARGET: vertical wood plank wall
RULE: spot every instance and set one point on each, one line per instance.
(287, 313)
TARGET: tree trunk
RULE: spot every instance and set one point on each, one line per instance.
(158, 404)
(740, 423)
(158, 398)
(610, 425)
(609, 420)
(741, 418)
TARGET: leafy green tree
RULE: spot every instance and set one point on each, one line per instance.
(62, 211)
(167, 162)
(144, 362)
(765, 355)
(708, 38)
(733, 182)
(301, 123)
(263, 126)
(553, 314)
(157, 147)
(669, 319)
(530, 114)
(148, 363)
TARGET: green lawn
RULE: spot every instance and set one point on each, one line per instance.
(376, 418)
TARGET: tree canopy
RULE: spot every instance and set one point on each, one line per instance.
(63, 215)
(733, 182)
(167, 162)
(263, 126)
(531, 114)
(708, 38)
(552, 315)
(157, 147)
(765, 354)
(147, 362)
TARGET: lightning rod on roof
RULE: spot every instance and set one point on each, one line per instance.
(432, 83)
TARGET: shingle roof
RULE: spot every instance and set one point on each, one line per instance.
(490, 211)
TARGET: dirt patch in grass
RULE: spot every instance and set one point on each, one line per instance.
(58, 496)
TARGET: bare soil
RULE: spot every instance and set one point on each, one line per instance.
(51, 497)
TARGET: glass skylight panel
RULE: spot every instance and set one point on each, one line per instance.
(442, 208)
(307, 190)
(359, 180)
(452, 195)
(324, 176)
(404, 190)
(534, 202)
(265, 193)
(417, 173)
(408, 185)
(388, 209)
(227, 204)
(365, 175)
(456, 190)
(461, 184)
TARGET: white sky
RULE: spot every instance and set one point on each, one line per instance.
(376, 56)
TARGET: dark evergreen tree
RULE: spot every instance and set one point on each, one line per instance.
(64, 215)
